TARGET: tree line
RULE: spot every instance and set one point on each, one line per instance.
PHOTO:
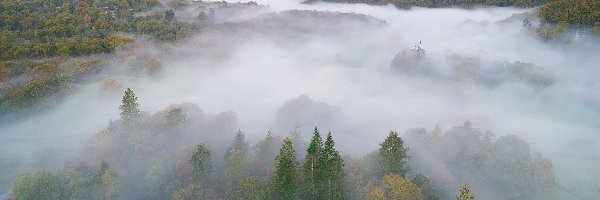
(561, 16)
(444, 3)
(42, 29)
(163, 156)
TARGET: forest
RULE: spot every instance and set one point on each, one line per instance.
(46, 47)
(445, 3)
(141, 156)
(293, 99)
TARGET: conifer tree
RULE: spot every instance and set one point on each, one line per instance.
(236, 160)
(285, 186)
(265, 152)
(130, 109)
(239, 142)
(330, 172)
(108, 184)
(201, 162)
(393, 155)
(311, 165)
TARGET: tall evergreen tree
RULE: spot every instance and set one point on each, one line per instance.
(265, 151)
(239, 142)
(107, 183)
(297, 140)
(236, 160)
(285, 186)
(311, 165)
(393, 155)
(130, 109)
(330, 172)
(201, 163)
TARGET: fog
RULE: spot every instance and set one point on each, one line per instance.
(275, 69)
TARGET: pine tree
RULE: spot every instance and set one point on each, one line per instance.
(265, 151)
(201, 163)
(239, 142)
(393, 155)
(235, 160)
(107, 182)
(311, 165)
(330, 172)
(285, 186)
(130, 109)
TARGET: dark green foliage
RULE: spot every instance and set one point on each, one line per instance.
(236, 163)
(311, 165)
(424, 183)
(169, 15)
(40, 29)
(285, 185)
(201, 163)
(78, 183)
(445, 3)
(265, 152)
(41, 185)
(32, 29)
(559, 16)
(572, 12)
(323, 170)
(36, 90)
(249, 189)
(393, 155)
(130, 109)
(330, 172)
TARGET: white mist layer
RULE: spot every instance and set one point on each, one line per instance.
(351, 74)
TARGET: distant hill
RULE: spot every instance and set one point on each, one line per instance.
(445, 3)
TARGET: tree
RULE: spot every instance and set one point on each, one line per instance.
(235, 159)
(249, 189)
(130, 109)
(299, 143)
(265, 153)
(330, 172)
(311, 165)
(239, 142)
(36, 90)
(169, 15)
(398, 188)
(393, 155)
(42, 185)
(465, 193)
(201, 163)
(176, 117)
(107, 182)
(285, 186)
(154, 67)
(424, 183)
(376, 194)
(193, 192)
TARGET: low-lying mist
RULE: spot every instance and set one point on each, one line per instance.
(355, 70)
